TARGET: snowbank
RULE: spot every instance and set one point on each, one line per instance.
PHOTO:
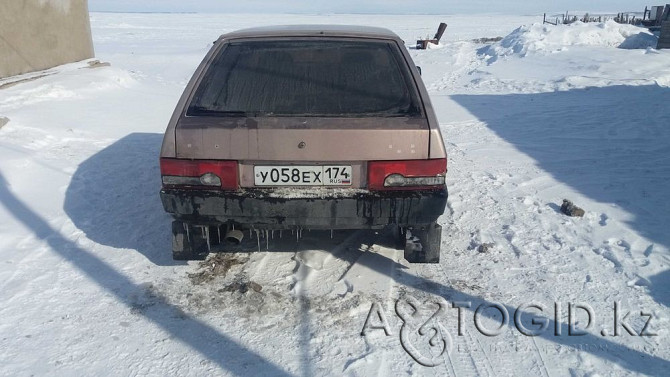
(545, 39)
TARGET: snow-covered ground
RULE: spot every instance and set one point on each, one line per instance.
(88, 286)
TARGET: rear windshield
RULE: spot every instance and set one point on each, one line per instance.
(307, 78)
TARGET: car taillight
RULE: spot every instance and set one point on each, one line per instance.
(407, 175)
(199, 173)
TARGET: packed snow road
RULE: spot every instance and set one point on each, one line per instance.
(88, 286)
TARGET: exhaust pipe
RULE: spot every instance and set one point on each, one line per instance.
(235, 236)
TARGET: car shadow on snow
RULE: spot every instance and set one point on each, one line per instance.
(113, 198)
(610, 144)
(212, 344)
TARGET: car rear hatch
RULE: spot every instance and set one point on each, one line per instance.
(331, 102)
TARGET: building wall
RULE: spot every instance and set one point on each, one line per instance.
(40, 34)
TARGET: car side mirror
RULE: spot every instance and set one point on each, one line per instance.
(419, 68)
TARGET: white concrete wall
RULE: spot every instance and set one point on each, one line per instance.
(40, 34)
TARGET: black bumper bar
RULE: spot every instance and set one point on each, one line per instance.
(261, 210)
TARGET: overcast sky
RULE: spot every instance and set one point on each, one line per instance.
(371, 6)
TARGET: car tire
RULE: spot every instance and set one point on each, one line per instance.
(422, 244)
(187, 245)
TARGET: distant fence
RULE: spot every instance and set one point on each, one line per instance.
(652, 17)
(567, 18)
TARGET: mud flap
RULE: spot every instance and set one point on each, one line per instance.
(187, 242)
(422, 244)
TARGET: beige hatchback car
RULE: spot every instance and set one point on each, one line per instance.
(304, 127)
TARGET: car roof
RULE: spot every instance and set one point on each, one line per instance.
(313, 30)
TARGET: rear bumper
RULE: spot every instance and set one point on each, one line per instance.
(262, 211)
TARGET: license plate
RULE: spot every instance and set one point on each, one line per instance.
(325, 175)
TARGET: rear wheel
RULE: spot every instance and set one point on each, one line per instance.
(188, 242)
(423, 244)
